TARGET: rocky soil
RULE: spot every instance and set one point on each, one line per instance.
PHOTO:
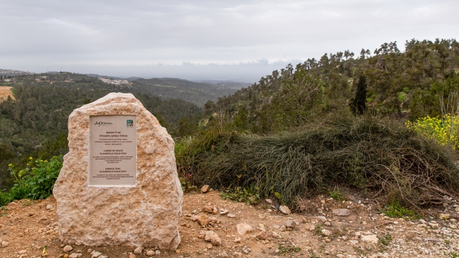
(213, 227)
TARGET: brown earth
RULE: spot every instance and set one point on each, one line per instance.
(5, 91)
(29, 229)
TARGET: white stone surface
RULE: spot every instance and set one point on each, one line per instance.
(243, 228)
(144, 215)
(370, 238)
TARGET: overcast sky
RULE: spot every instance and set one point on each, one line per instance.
(220, 39)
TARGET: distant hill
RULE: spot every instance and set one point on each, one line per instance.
(227, 84)
(113, 77)
(194, 92)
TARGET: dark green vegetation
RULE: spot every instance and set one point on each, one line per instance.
(398, 83)
(35, 181)
(372, 155)
(35, 123)
(334, 122)
(322, 125)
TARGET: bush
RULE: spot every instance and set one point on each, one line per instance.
(36, 181)
(5, 198)
(369, 154)
(444, 130)
(394, 210)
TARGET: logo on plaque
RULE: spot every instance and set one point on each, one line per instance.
(130, 123)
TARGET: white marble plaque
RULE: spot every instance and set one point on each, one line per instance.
(112, 151)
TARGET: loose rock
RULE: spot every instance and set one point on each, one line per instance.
(262, 236)
(370, 238)
(208, 209)
(341, 212)
(285, 210)
(322, 218)
(205, 189)
(444, 216)
(290, 224)
(67, 248)
(213, 238)
(203, 220)
(96, 254)
(243, 228)
(138, 250)
(326, 232)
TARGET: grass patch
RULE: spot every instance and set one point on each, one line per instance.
(287, 249)
(336, 195)
(394, 210)
(452, 254)
(239, 194)
(385, 240)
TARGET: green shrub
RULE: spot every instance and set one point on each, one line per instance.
(247, 195)
(394, 210)
(36, 181)
(369, 154)
(444, 129)
(5, 198)
(385, 240)
(336, 195)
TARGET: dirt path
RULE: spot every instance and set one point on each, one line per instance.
(29, 229)
(5, 91)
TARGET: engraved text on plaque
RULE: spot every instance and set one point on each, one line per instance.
(112, 151)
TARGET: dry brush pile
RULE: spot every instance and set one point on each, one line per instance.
(378, 157)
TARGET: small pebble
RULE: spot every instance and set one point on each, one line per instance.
(138, 250)
(67, 248)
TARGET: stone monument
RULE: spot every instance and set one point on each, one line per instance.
(119, 183)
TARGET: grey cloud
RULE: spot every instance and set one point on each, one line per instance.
(209, 38)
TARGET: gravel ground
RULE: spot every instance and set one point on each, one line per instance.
(325, 228)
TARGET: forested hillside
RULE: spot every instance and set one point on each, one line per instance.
(35, 123)
(414, 82)
(338, 122)
(194, 92)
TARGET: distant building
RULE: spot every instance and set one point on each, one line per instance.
(114, 82)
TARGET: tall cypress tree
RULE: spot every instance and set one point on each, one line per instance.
(358, 105)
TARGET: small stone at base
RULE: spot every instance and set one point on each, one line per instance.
(138, 250)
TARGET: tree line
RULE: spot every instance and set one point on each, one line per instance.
(413, 83)
(35, 123)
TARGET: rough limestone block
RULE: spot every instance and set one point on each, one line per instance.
(144, 215)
